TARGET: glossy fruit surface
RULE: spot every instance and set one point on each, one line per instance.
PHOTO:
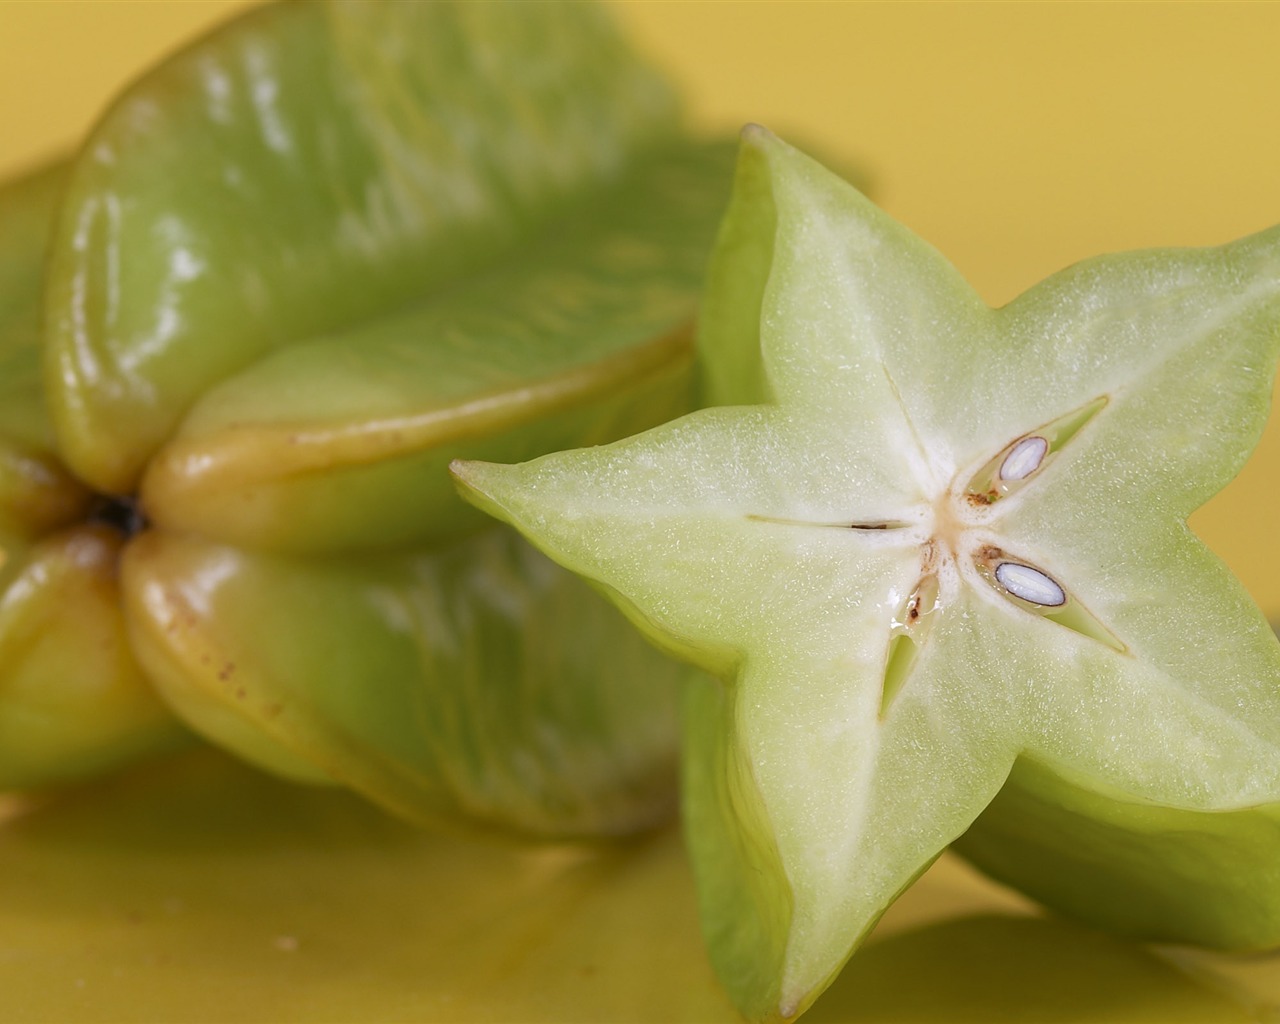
(928, 545)
(72, 699)
(292, 272)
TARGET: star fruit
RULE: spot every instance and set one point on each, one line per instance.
(936, 556)
(292, 272)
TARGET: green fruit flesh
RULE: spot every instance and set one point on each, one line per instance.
(896, 626)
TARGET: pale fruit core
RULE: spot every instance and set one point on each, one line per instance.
(956, 526)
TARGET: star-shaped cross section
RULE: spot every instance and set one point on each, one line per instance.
(936, 556)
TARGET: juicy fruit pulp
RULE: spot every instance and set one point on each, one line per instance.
(937, 555)
(293, 271)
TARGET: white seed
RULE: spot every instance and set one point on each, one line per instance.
(1024, 459)
(1030, 584)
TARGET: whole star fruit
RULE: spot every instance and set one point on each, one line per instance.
(292, 272)
(937, 556)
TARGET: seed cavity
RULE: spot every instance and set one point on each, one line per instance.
(899, 661)
(1024, 459)
(1037, 592)
(871, 524)
(922, 602)
(1079, 619)
(1032, 585)
(1018, 463)
(906, 638)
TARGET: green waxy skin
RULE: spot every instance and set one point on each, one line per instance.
(38, 494)
(292, 272)
(476, 682)
(342, 441)
(937, 555)
(369, 154)
(73, 701)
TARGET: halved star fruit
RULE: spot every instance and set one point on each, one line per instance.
(938, 558)
(292, 272)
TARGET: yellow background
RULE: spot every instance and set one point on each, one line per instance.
(1017, 137)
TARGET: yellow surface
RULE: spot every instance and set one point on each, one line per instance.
(208, 894)
(1017, 138)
